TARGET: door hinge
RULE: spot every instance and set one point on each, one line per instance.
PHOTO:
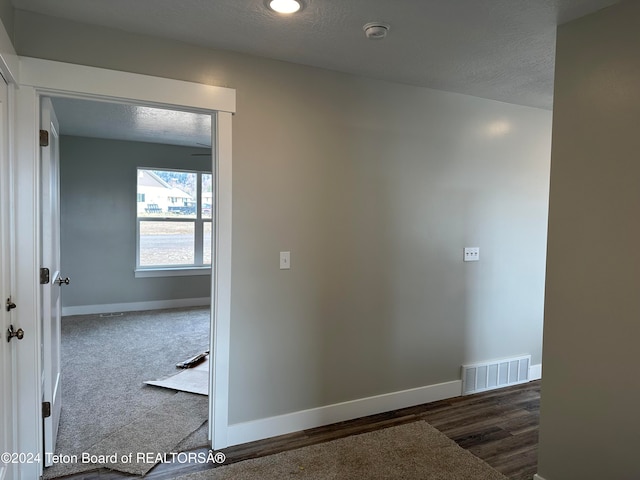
(46, 409)
(44, 138)
(44, 276)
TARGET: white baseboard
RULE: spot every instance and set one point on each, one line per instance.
(535, 373)
(135, 306)
(293, 422)
(537, 477)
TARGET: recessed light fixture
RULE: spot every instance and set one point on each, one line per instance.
(284, 6)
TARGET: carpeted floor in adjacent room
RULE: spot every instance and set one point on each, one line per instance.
(106, 359)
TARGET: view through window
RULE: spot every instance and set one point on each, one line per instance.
(174, 215)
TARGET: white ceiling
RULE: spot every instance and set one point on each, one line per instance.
(497, 49)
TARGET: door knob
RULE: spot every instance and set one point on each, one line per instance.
(19, 334)
(61, 281)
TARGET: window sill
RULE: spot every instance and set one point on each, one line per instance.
(171, 272)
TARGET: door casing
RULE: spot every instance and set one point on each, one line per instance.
(40, 78)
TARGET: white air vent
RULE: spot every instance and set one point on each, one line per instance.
(495, 374)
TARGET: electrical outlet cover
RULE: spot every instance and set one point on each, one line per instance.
(471, 254)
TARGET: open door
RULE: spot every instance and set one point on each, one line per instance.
(7, 339)
(50, 279)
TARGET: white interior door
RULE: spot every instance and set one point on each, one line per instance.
(6, 347)
(51, 307)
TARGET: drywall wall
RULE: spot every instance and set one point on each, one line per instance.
(374, 188)
(6, 15)
(98, 221)
(589, 427)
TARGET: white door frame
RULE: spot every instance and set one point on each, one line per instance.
(46, 78)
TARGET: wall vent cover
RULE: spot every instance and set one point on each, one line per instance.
(479, 377)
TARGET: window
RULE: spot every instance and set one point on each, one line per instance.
(174, 222)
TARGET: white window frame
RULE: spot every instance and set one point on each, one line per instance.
(198, 267)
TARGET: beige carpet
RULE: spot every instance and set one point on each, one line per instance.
(106, 407)
(155, 432)
(408, 452)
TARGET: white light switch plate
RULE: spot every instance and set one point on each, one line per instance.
(471, 254)
(285, 260)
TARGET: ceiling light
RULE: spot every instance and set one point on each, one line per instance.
(285, 6)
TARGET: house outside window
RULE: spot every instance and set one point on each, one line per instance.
(174, 221)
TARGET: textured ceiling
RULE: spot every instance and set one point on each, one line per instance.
(86, 118)
(498, 49)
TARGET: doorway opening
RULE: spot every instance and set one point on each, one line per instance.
(40, 78)
(126, 321)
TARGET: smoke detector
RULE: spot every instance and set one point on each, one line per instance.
(376, 30)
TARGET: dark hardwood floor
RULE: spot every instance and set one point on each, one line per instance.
(499, 426)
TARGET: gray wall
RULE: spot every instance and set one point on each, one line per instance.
(375, 188)
(6, 15)
(98, 220)
(590, 392)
